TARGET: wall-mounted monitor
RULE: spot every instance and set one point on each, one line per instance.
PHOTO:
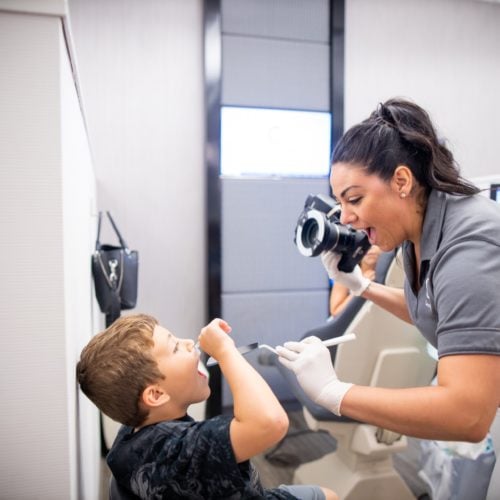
(495, 192)
(263, 142)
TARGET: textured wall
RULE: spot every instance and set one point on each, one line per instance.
(140, 67)
(46, 195)
(444, 55)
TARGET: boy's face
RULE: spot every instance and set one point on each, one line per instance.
(178, 361)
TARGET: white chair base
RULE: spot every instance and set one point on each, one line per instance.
(369, 481)
(361, 468)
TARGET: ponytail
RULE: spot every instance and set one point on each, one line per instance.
(399, 132)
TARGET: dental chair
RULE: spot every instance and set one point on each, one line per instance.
(386, 353)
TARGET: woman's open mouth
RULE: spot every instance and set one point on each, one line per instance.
(371, 235)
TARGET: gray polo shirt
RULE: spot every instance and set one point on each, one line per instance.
(457, 307)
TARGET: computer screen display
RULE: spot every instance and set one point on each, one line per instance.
(262, 142)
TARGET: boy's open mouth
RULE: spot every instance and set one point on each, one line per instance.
(202, 371)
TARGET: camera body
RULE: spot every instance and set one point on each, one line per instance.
(319, 229)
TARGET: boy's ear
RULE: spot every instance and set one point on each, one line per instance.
(154, 395)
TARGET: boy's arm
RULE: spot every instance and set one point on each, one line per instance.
(259, 419)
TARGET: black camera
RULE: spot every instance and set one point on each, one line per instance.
(319, 229)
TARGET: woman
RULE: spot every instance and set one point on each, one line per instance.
(340, 295)
(398, 182)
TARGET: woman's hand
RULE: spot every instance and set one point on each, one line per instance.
(354, 280)
(214, 338)
(310, 360)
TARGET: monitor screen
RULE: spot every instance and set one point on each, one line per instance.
(274, 142)
(495, 192)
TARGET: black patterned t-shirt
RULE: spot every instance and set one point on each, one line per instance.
(185, 459)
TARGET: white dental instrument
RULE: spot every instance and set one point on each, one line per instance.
(328, 343)
(255, 345)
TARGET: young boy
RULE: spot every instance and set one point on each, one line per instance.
(141, 375)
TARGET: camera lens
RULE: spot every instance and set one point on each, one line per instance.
(319, 229)
(310, 233)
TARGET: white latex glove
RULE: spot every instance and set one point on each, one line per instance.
(354, 280)
(311, 362)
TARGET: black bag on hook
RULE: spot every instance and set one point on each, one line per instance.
(115, 271)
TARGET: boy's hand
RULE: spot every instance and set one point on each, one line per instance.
(214, 338)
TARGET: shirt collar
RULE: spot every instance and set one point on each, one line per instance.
(433, 224)
(429, 240)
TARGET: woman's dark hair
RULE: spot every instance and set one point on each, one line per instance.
(399, 132)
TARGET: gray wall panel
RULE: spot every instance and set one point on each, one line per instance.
(275, 73)
(258, 223)
(272, 318)
(274, 54)
(293, 19)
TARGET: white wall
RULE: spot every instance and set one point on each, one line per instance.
(47, 192)
(442, 54)
(140, 67)
(81, 319)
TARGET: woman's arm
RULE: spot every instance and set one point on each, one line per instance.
(460, 408)
(389, 298)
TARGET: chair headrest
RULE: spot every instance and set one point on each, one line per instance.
(339, 324)
(383, 264)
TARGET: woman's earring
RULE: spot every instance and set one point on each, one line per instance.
(402, 195)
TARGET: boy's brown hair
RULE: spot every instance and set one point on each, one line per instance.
(117, 365)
